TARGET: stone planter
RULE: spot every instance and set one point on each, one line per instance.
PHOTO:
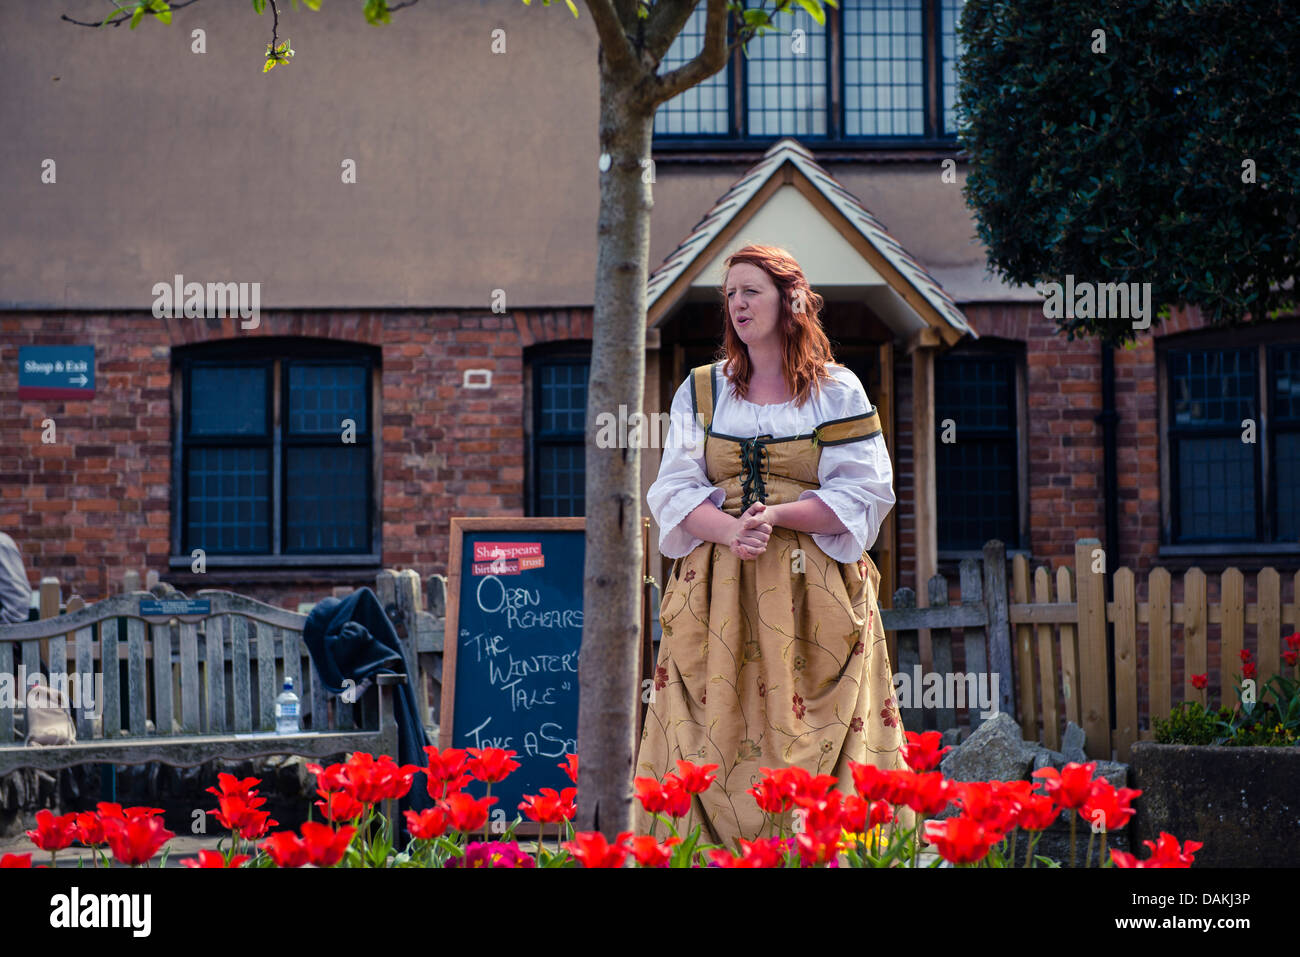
(1242, 803)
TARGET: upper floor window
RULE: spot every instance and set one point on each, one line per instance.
(977, 446)
(558, 471)
(878, 72)
(275, 453)
(1233, 442)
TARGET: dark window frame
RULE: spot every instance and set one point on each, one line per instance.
(738, 137)
(277, 355)
(1264, 340)
(567, 353)
(1011, 353)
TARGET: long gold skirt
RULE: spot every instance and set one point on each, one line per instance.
(769, 662)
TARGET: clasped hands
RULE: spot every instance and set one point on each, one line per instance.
(750, 533)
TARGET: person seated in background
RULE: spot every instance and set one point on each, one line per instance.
(15, 592)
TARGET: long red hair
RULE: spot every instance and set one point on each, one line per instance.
(805, 348)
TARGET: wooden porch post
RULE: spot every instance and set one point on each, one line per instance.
(922, 349)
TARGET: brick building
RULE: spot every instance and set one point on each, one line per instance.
(381, 305)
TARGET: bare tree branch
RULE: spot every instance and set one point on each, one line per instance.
(110, 22)
(711, 59)
(615, 43)
(404, 3)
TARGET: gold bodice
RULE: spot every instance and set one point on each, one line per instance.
(770, 469)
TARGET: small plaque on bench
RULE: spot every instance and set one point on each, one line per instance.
(176, 606)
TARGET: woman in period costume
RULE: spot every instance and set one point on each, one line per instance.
(773, 485)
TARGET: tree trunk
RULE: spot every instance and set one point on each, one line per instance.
(609, 664)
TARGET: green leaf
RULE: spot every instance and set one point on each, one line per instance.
(138, 15)
(575, 9)
(259, 6)
(814, 10)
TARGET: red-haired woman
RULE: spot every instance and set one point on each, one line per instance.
(774, 482)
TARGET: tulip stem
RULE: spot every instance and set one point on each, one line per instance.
(1087, 861)
(1015, 833)
(487, 820)
(541, 829)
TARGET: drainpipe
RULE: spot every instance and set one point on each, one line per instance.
(1109, 419)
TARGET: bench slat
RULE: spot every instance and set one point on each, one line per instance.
(319, 704)
(112, 693)
(266, 688)
(59, 666)
(7, 673)
(86, 666)
(189, 679)
(214, 668)
(31, 663)
(292, 668)
(344, 716)
(241, 680)
(162, 678)
(136, 688)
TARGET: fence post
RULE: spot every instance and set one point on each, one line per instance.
(999, 632)
(1094, 680)
(1027, 700)
(909, 663)
(941, 649)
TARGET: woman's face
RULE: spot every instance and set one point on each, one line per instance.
(753, 304)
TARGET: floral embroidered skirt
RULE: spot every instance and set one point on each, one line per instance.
(769, 662)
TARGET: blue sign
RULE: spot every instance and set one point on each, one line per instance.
(175, 606)
(56, 372)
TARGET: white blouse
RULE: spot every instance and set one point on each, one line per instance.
(856, 478)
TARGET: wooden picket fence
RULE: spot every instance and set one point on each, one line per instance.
(1044, 634)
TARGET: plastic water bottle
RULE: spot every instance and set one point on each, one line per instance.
(286, 710)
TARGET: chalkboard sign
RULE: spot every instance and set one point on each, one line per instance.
(510, 676)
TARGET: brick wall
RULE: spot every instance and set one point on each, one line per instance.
(99, 500)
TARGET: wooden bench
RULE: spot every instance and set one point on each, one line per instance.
(207, 683)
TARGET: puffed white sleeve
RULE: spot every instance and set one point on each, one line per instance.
(682, 484)
(857, 480)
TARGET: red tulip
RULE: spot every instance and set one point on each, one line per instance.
(1124, 859)
(491, 765)
(53, 833)
(650, 853)
(550, 807)
(651, 794)
(1070, 786)
(90, 829)
(1038, 813)
(330, 779)
(15, 860)
(696, 779)
(1169, 854)
(1291, 657)
(372, 779)
(229, 784)
(931, 793)
(1114, 804)
(339, 806)
(428, 824)
(237, 811)
(922, 752)
(570, 767)
(985, 804)
(765, 853)
(445, 764)
(769, 798)
(958, 839)
(1293, 641)
(286, 849)
(1200, 681)
(677, 798)
(466, 813)
(821, 814)
(818, 847)
(869, 781)
(325, 846)
(592, 850)
(136, 839)
(1248, 670)
(796, 782)
(214, 859)
(1245, 654)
